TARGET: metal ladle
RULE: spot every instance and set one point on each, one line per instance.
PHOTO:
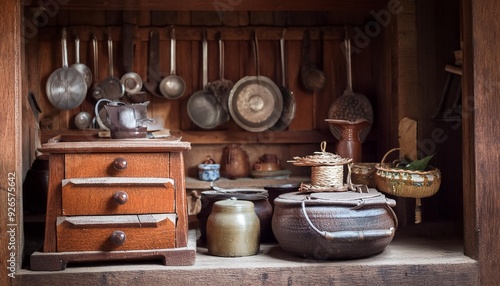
(172, 86)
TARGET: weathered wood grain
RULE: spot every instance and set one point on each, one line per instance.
(144, 195)
(91, 234)
(89, 165)
(409, 261)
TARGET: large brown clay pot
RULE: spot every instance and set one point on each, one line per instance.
(235, 162)
(334, 225)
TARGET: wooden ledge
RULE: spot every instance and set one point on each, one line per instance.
(408, 260)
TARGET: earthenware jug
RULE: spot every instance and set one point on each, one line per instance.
(235, 162)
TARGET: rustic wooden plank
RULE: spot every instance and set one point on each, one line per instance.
(13, 130)
(471, 216)
(406, 261)
(111, 145)
(54, 203)
(482, 95)
(177, 173)
(222, 6)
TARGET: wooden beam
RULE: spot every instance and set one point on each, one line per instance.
(221, 6)
(480, 132)
(11, 173)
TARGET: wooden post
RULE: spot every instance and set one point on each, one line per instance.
(11, 173)
(480, 135)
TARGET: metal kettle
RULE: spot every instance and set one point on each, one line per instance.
(123, 118)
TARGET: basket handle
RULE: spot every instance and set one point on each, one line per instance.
(389, 152)
(349, 235)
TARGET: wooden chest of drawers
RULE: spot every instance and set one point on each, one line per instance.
(115, 199)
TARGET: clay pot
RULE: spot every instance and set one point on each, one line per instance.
(267, 163)
(235, 162)
(259, 197)
(334, 225)
(276, 190)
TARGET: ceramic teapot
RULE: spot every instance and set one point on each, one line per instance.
(123, 120)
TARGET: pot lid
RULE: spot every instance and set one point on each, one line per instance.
(240, 194)
(349, 198)
(255, 103)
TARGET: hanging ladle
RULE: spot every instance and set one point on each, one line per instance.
(172, 86)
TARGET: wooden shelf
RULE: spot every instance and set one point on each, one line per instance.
(222, 5)
(211, 137)
(408, 260)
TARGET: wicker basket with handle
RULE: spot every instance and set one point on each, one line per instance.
(406, 183)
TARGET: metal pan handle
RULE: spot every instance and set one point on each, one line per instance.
(64, 48)
(349, 235)
(110, 55)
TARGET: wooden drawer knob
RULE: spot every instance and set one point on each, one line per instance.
(118, 237)
(120, 164)
(120, 197)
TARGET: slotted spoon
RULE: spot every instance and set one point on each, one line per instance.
(350, 106)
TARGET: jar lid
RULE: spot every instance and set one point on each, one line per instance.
(233, 205)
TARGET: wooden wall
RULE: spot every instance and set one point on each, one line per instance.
(308, 127)
(400, 75)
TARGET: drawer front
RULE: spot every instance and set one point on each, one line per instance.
(117, 165)
(114, 233)
(108, 196)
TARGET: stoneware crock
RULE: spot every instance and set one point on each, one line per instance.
(259, 197)
(233, 229)
(334, 225)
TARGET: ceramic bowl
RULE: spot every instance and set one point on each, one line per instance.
(208, 172)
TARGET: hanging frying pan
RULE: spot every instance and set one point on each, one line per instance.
(96, 90)
(203, 107)
(66, 87)
(111, 87)
(255, 102)
(288, 112)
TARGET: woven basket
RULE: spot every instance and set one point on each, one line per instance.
(406, 183)
(364, 174)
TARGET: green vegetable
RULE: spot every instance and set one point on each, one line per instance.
(418, 165)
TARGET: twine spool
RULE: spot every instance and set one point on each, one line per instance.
(328, 176)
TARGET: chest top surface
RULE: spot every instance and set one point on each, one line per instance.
(115, 145)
